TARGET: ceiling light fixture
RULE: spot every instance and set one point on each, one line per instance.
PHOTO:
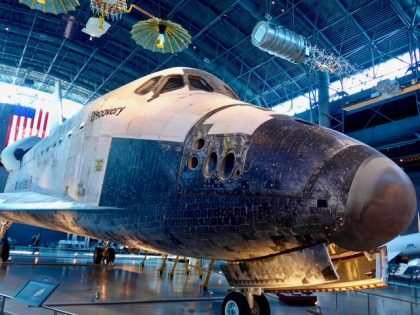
(160, 41)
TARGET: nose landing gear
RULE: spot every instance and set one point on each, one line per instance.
(98, 254)
(4, 241)
(107, 255)
(253, 302)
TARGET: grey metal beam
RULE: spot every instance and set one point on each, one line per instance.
(378, 40)
(39, 66)
(127, 59)
(79, 12)
(284, 84)
(226, 50)
(355, 50)
(80, 72)
(25, 47)
(396, 5)
(256, 11)
(213, 66)
(314, 27)
(70, 44)
(196, 36)
(401, 7)
(308, 21)
(80, 49)
(53, 61)
(324, 114)
(35, 74)
(217, 68)
(358, 25)
(414, 32)
(299, 11)
(178, 6)
(117, 69)
(204, 29)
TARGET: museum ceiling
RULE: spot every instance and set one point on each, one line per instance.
(36, 48)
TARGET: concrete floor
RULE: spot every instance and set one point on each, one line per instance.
(127, 288)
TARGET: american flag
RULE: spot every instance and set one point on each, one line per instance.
(26, 121)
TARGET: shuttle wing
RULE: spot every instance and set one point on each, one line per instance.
(33, 201)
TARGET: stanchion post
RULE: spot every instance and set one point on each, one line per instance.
(336, 300)
(2, 303)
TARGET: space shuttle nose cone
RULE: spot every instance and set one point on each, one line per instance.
(381, 204)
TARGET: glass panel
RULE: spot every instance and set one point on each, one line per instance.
(173, 83)
(148, 86)
(197, 83)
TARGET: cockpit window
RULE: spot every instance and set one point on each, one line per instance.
(230, 92)
(148, 86)
(173, 83)
(198, 83)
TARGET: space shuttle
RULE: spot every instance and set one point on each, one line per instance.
(174, 162)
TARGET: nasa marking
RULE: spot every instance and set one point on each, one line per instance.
(106, 112)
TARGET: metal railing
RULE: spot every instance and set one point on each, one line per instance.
(369, 295)
(4, 297)
(404, 305)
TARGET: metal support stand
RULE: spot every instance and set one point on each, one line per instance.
(205, 285)
(2, 303)
(86, 243)
(187, 267)
(200, 270)
(171, 274)
(336, 300)
(163, 267)
(106, 244)
(144, 260)
(249, 294)
(5, 225)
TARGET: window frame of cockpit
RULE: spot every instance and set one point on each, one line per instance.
(199, 78)
(229, 91)
(165, 80)
(162, 80)
(154, 86)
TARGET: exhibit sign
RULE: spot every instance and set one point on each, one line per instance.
(34, 293)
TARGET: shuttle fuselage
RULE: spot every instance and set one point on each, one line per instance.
(181, 166)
